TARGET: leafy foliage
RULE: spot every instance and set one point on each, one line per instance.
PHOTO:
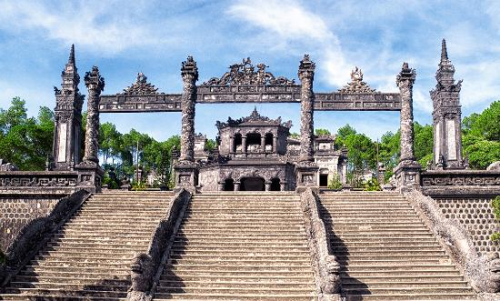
(372, 185)
(25, 142)
(322, 132)
(335, 183)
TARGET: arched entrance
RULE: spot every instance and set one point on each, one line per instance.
(229, 185)
(275, 184)
(252, 184)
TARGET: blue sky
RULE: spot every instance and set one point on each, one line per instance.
(154, 37)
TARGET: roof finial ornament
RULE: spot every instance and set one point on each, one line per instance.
(444, 52)
(71, 59)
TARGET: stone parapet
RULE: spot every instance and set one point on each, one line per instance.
(146, 268)
(483, 272)
(326, 267)
(463, 183)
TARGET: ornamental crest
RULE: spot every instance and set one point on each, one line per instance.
(357, 85)
(244, 73)
(141, 86)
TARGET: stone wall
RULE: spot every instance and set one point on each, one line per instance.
(475, 215)
(17, 210)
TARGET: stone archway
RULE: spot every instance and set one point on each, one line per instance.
(228, 185)
(252, 184)
(275, 184)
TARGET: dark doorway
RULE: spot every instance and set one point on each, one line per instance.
(252, 184)
(323, 180)
(237, 143)
(275, 184)
(229, 185)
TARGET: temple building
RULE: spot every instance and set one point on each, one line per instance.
(256, 153)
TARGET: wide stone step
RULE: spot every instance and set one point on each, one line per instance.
(241, 257)
(68, 293)
(220, 237)
(375, 262)
(237, 284)
(233, 245)
(414, 296)
(264, 290)
(356, 284)
(267, 262)
(101, 285)
(78, 262)
(239, 267)
(112, 273)
(237, 296)
(408, 290)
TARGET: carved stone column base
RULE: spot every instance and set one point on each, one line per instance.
(186, 175)
(90, 176)
(407, 175)
(307, 175)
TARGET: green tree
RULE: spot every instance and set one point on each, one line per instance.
(26, 142)
(322, 132)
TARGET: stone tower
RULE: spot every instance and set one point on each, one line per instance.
(447, 116)
(68, 118)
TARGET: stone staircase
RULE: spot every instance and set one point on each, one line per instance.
(386, 251)
(240, 246)
(89, 258)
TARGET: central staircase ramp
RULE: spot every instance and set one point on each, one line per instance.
(386, 252)
(89, 258)
(240, 246)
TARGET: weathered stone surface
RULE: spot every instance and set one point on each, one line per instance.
(482, 271)
(37, 231)
(67, 119)
(327, 269)
(447, 116)
(95, 84)
(306, 75)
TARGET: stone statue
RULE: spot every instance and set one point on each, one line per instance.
(140, 277)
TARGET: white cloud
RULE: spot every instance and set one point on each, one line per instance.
(296, 26)
(86, 23)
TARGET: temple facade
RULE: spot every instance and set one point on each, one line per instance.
(256, 153)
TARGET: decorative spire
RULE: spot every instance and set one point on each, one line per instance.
(444, 52)
(446, 72)
(71, 59)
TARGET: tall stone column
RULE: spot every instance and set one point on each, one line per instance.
(275, 143)
(189, 73)
(263, 143)
(244, 144)
(306, 76)
(186, 170)
(408, 171)
(67, 119)
(447, 116)
(306, 169)
(95, 84)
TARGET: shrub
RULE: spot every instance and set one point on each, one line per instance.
(372, 185)
(335, 183)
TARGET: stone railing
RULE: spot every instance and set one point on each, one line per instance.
(34, 180)
(37, 233)
(326, 267)
(460, 182)
(146, 268)
(483, 272)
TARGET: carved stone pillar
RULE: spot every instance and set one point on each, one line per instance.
(407, 173)
(306, 76)
(231, 144)
(186, 169)
(95, 84)
(189, 73)
(268, 186)
(244, 144)
(283, 186)
(275, 143)
(237, 186)
(306, 170)
(263, 144)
